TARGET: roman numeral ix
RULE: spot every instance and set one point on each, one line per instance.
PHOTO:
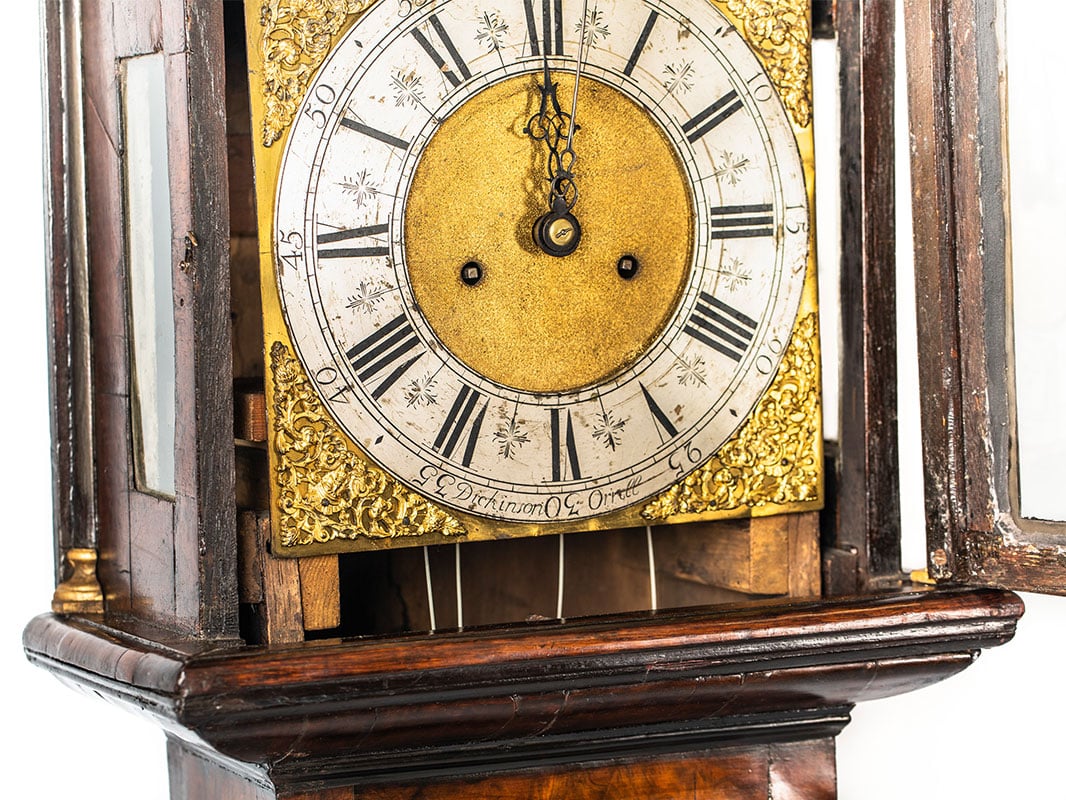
(387, 351)
(721, 327)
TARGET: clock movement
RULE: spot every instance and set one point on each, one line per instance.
(445, 391)
(536, 266)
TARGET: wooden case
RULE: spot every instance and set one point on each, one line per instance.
(346, 676)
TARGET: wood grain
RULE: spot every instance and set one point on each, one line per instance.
(345, 712)
(867, 495)
(976, 533)
(320, 593)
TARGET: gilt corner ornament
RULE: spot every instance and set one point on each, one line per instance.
(296, 38)
(779, 31)
(773, 458)
(327, 491)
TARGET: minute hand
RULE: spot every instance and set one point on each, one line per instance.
(558, 232)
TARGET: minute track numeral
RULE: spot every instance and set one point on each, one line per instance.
(391, 345)
(552, 43)
(461, 415)
(712, 116)
(742, 222)
(448, 70)
(350, 235)
(721, 327)
(563, 443)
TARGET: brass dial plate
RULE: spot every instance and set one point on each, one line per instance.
(504, 33)
(535, 322)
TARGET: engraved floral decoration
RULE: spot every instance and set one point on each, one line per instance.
(326, 491)
(692, 370)
(732, 167)
(779, 30)
(679, 78)
(510, 437)
(491, 30)
(368, 294)
(360, 187)
(734, 274)
(609, 429)
(595, 27)
(774, 457)
(409, 88)
(296, 37)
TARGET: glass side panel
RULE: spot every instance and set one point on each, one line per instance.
(1037, 127)
(148, 238)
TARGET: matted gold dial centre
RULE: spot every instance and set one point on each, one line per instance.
(537, 322)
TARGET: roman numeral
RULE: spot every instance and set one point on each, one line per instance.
(457, 64)
(461, 415)
(374, 133)
(553, 32)
(388, 346)
(660, 416)
(721, 327)
(712, 116)
(642, 40)
(561, 443)
(742, 222)
(350, 235)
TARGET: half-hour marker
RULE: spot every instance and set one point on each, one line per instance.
(460, 416)
(388, 346)
(642, 40)
(742, 222)
(374, 133)
(721, 327)
(660, 416)
(563, 442)
(353, 234)
(712, 116)
(553, 31)
(448, 70)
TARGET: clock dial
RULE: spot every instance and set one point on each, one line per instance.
(456, 352)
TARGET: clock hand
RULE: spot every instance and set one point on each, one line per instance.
(558, 231)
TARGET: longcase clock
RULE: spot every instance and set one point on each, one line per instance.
(445, 391)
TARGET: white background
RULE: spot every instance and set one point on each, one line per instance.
(992, 732)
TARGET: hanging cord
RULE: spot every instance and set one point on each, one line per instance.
(651, 570)
(562, 575)
(458, 588)
(429, 590)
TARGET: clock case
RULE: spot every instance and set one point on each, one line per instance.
(272, 678)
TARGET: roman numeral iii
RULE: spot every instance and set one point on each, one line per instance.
(742, 222)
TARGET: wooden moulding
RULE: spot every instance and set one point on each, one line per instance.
(416, 708)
